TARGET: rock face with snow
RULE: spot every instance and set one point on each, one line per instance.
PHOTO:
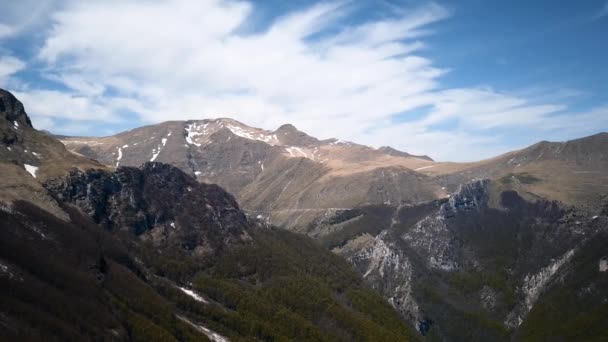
(21, 144)
(287, 176)
(293, 179)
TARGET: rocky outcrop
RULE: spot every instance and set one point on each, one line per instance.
(387, 268)
(12, 110)
(532, 287)
(480, 258)
(37, 153)
(433, 239)
(156, 202)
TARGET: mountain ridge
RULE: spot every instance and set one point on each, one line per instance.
(249, 161)
(88, 252)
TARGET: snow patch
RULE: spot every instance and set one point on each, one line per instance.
(253, 134)
(16, 124)
(31, 169)
(603, 264)
(213, 336)
(119, 156)
(192, 294)
(339, 142)
(193, 131)
(172, 225)
(293, 150)
(156, 151)
(197, 173)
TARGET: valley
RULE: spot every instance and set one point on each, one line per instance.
(214, 229)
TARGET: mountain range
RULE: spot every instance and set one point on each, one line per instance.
(292, 179)
(187, 227)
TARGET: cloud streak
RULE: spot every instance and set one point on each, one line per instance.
(315, 68)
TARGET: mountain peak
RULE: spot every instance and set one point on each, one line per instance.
(12, 109)
(394, 152)
(287, 128)
(290, 135)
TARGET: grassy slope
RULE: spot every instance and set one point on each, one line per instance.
(80, 283)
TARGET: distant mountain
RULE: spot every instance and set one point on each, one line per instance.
(285, 176)
(293, 179)
(150, 254)
(573, 172)
(394, 152)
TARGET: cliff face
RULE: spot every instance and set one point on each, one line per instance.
(481, 259)
(157, 202)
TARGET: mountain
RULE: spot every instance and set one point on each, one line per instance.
(292, 179)
(483, 264)
(509, 248)
(285, 176)
(28, 155)
(394, 152)
(149, 253)
(573, 172)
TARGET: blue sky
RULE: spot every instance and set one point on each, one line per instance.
(458, 80)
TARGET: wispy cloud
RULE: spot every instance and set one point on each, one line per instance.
(9, 65)
(315, 68)
(603, 12)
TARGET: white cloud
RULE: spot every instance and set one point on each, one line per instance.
(6, 30)
(197, 66)
(57, 104)
(10, 65)
(315, 68)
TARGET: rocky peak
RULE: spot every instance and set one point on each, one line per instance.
(286, 128)
(12, 109)
(289, 135)
(470, 196)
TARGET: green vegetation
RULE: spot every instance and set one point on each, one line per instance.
(371, 219)
(285, 287)
(576, 309)
(85, 284)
